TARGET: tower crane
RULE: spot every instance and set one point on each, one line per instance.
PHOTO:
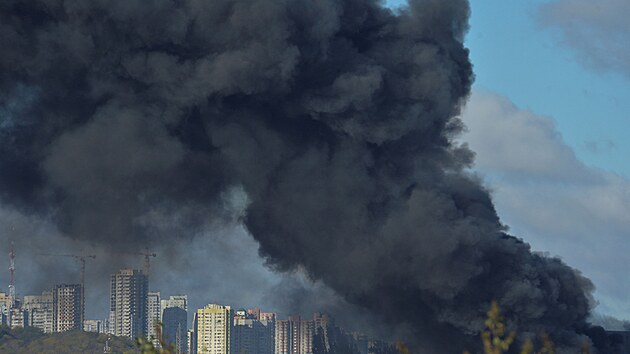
(81, 259)
(147, 259)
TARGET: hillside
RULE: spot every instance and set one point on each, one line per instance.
(31, 340)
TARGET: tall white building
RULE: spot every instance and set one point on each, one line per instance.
(213, 329)
(154, 316)
(128, 304)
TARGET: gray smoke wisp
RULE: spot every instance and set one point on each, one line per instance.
(129, 121)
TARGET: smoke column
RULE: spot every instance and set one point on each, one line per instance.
(127, 120)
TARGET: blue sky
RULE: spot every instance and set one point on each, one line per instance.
(515, 56)
(518, 57)
(548, 120)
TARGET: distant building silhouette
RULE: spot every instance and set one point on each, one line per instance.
(174, 328)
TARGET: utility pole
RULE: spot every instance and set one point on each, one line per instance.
(107, 349)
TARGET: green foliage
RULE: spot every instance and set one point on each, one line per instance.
(147, 347)
(495, 341)
(31, 340)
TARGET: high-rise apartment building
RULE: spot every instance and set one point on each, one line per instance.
(296, 336)
(40, 311)
(322, 322)
(307, 332)
(287, 336)
(180, 301)
(128, 304)
(154, 315)
(213, 328)
(175, 321)
(174, 328)
(252, 335)
(67, 307)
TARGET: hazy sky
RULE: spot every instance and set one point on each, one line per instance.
(548, 120)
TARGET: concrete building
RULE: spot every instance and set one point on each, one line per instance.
(283, 337)
(322, 322)
(361, 342)
(296, 336)
(40, 311)
(175, 329)
(128, 304)
(154, 316)
(67, 307)
(252, 335)
(5, 305)
(180, 301)
(192, 339)
(96, 326)
(17, 317)
(213, 329)
(307, 333)
(287, 336)
(267, 316)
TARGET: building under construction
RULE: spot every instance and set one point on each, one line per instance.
(67, 307)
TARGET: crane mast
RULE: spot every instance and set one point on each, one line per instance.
(81, 259)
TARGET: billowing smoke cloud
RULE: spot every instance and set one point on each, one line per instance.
(130, 121)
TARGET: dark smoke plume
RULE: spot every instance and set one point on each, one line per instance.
(337, 119)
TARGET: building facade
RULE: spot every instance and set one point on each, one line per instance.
(128, 308)
(213, 329)
(180, 301)
(40, 311)
(154, 315)
(296, 336)
(96, 326)
(253, 336)
(67, 307)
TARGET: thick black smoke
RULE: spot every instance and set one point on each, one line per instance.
(336, 117)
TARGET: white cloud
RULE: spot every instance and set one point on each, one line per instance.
(550, 198)
(597, 30)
